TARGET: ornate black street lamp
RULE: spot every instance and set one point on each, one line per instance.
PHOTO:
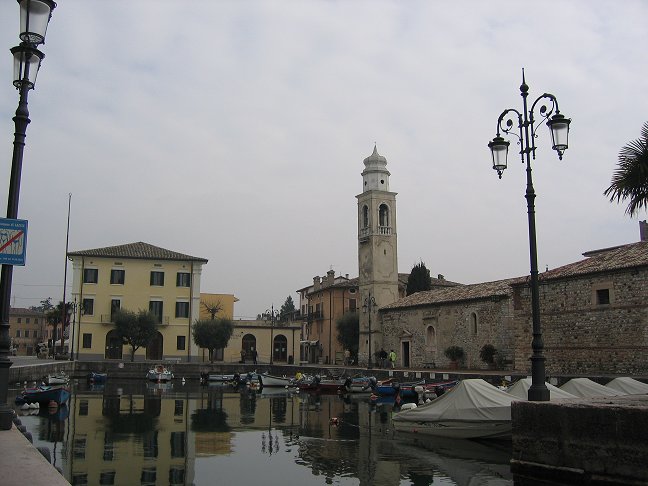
(273, 316)
(559, 126)
(368, 308)
(34, 18)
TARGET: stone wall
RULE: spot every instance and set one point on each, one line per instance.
(469, 325)
(581, 441)
(582, 336)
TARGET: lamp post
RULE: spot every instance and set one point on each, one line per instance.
(274, 315)
(34, 18)
(559, 126)
(368, 307)
(72, 310)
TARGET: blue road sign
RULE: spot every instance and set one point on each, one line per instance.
(13, 241)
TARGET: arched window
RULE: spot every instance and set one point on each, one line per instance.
(249, 345)
(430, 337)
(154, 348)
(365, 216)
(383, 215)
(280, 348)
(114, 345)
(473, 323)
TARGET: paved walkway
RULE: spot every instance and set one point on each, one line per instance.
(22, 464)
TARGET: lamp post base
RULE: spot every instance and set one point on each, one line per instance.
(6, 412)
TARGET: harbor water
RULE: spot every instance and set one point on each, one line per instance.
(131, 432)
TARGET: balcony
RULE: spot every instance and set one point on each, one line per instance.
(107, 319)
(318, 314)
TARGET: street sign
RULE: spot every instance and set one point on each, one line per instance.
(13, 241)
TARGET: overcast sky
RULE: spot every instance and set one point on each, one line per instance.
(236, 131)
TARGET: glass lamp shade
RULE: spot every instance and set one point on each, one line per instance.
(559, 126)
(34, 17)
(499, 151)
(26, 63)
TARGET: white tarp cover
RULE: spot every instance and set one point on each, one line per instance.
(628, 385)
(586, 388)
(520, 389)
(470, 400)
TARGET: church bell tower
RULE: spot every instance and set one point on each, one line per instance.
(377, 252)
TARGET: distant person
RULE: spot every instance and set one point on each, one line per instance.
(254, 355)
(382, 356)
(392, 358)
(242, 355)
(347, 357)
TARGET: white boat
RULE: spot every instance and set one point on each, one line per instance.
(473, 409)
(586, 388)
(56, 379)
(159, 374)
(275, 381)
(520, 390)
(628, 385)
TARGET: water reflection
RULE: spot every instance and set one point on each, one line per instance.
(135, 433)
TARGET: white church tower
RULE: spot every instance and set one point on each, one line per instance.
(377, 252)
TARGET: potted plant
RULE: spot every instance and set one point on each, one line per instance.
(454, 354)
(487, 355)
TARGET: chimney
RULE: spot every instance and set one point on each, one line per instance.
(316, 283)
(441, 277)
(643, 231)
(330, 277)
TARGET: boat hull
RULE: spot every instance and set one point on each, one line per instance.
(458, 429)
(274, 381)
(43, 395)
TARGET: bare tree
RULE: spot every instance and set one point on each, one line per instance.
(213, 308)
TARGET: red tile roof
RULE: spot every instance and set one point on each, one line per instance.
(139, 250)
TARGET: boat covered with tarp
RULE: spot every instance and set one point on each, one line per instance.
(470, 410)
(520, 390)
(586, 388)
(628, 385)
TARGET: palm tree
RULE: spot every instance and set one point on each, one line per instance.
(630, 180)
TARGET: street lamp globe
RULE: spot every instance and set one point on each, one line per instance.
(499, 151)
(559, 126)
(27, 60)
(34, 19)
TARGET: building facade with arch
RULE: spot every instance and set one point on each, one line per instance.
(135, 276)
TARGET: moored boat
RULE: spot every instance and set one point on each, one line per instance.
(159, 374)
(520, 390)
(586, 388)
(267, 380)
(94, 377)
(628, 385)
(44, 394)
(321, 385)
(216, 378)
(473, 409)
(360, 384)
(56, 379)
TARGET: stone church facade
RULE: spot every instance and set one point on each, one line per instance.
(593, 313)
(594, 317)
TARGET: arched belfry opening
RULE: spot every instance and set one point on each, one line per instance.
(383, 219)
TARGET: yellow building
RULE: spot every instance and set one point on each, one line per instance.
(135, 276)
(222, 305)
(28, 328)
